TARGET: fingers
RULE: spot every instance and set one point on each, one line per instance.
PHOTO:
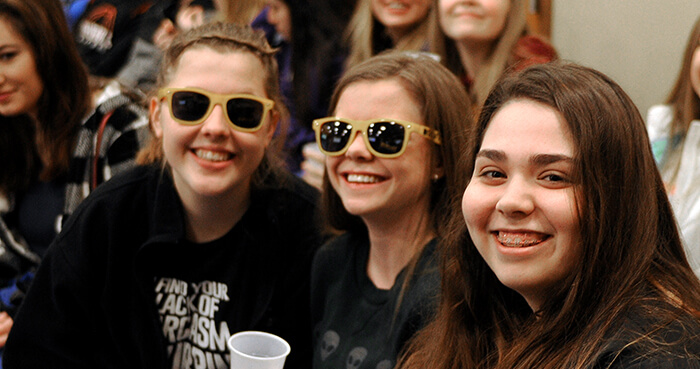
(313, 165)
(5, 326)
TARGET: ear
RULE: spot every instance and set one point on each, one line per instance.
(154, 112)
(190, 17)
(272, 126)
(438, 170)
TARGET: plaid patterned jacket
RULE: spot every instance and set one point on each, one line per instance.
(124, 134)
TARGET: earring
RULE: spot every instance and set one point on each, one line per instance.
(436, 177)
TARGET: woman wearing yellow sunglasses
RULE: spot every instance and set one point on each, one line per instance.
(162, 265)
(398, 126)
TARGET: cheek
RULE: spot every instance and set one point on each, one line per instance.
(332, 163)
(422, 8)
(443, 8)
(35, 86)
(473, 207)
(498, 11)
(254, 144)
(695, 71)
(564, 215)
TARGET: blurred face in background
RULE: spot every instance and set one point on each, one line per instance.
(695, 70)
(473, 21)
(279, 16)
(400, 16)
(20, 83)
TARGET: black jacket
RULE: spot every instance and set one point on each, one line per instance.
(92, 304)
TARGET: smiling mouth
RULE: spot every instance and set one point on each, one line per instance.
(215, 156)
(397, 6)
(362, 178)
(520, 239)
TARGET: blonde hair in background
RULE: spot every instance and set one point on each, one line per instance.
(497, 62)
(239, 11)
(360, 32)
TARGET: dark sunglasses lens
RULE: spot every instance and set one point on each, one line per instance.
(335, 135)
(189, 106)
(386, 137)
(245, 113)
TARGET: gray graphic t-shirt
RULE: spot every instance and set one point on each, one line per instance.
(191, 321)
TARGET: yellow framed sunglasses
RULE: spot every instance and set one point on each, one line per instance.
(191, 106)
(385, 138)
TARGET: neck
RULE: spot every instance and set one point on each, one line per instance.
(210, 218)
(395, 35)
(473, 56)
(393, 244)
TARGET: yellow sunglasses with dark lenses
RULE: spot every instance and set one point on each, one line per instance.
(191, 106)
(385, 138)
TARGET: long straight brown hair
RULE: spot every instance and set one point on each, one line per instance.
(66, 98)
(632, 253)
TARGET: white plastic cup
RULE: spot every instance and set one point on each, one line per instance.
(257, 350)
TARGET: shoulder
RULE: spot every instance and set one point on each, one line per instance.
(122, 193)
(334, 256)
(123, 105)
(659, 118)
(288, 208)
(128, 182)
(285, 186)
(114, 218)
(648, 342)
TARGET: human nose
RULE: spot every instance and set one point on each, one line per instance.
(216, 123)
(517, 199)
(358, 150)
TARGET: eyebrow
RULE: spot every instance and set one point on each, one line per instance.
(536, 160)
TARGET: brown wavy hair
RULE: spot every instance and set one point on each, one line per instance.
(66, 98)
(632, 256)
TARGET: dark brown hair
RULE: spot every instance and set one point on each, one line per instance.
(632, 253)
(226, 37)
(66, 98)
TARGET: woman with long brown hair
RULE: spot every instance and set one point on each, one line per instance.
(397, 129)
(570, 257)
(62, 134)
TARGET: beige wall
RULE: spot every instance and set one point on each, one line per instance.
(638, 43)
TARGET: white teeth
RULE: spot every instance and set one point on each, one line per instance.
(395, 5)
(362, 178)
(519, 239)
(211, 155)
